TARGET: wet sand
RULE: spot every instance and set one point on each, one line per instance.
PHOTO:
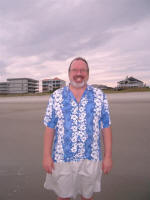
(21, 141)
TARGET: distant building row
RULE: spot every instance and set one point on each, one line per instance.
(28, 85)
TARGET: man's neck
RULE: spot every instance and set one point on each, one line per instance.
(77, 90)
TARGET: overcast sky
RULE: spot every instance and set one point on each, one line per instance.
(39, 38)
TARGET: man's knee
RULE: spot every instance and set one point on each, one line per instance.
(82, 198)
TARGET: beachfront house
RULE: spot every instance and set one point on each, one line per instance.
(130, 82)
(49, 85)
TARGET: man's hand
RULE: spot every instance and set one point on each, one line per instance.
(48, 164)
(106, 165)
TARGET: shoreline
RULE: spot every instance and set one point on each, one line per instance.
(130, 96)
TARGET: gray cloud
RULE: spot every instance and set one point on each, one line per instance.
(59, 30)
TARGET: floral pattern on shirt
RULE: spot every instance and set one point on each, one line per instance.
(77, 125)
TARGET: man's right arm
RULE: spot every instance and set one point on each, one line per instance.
(48, 163)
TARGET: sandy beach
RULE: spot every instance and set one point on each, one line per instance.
(21, 143)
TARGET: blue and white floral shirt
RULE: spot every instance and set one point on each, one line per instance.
(77, 125)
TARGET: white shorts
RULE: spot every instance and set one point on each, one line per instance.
(72, 178)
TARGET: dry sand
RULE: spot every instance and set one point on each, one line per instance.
(21, 140)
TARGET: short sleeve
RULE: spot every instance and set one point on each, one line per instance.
(49, 119)
(105, 113)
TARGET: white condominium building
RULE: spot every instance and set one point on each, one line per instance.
(19, 86)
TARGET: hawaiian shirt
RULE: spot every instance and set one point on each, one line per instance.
(77, 125)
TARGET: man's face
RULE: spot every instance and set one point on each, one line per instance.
(78, 74)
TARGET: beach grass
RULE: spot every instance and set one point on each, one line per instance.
(109, 91)
(146, 89)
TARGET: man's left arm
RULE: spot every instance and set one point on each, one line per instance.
(107, 159)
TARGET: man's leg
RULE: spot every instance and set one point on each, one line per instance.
(82, 198)
(59, 198)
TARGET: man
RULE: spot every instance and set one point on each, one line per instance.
(75, 116)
